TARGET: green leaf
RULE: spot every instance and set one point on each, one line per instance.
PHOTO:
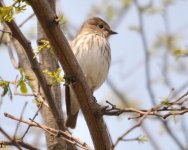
(126, 2)
(6, 13)
(61, 19)
(55, 77)
(110, 12)
(165, 102)
(168, 2)
(37, 102)
(23, 87)
(43, 44)
(26, 2)
(27, 77)
(142, 139)
(5, 90)
(21, 71)
(5, 86)
(177, 52)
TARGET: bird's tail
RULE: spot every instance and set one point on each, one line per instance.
(71, 120)
(72, 107)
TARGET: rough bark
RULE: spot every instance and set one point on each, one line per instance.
(48, 61)
(32, 68)
(62, 50)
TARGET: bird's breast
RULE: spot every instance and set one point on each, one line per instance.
(93, 55)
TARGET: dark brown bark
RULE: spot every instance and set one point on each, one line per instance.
(67, 60)
(71, 68)
(64, 54)
(48, 61)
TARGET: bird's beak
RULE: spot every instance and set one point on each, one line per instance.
(113, 32)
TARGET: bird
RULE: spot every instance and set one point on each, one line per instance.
(93, 53)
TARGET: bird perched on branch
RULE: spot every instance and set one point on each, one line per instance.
(92, 51)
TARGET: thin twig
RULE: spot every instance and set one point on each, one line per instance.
(124, 101)
(167, 49)
(184, 129)
(114, 111)
(21, 116)
(36, 114)
(148, 76)
(10, 138)
(21, 143)
(66, 135)
(131, 129)
(147, 54)
(142, 114)
(6, 39)
(27, 19)
(12, 58)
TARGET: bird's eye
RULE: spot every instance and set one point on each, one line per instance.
(101, 26)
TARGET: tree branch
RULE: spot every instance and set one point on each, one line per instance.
(146, 53)
(16, 33)
(53, 132)
(63, 52)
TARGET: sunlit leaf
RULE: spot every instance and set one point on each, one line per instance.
(126, 2)
(168, 2)
(21, 71)
(27, 77)
(6, 13)
(55, 77)
(177, 52)
(43, 44)
(142, 139)
(23, 87)
(165, 102)
(6, 89)
(110, 12)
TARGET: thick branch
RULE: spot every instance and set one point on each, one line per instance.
(16, 33)
(49, 61)
(71, 68)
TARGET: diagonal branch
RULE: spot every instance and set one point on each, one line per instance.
(63, 52)
(16, 33)
(53, 132)
(67, 60)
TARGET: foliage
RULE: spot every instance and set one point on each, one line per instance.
(23, 81)
(178, 52)
(166, 42)
(142, 139)
(7, 12)
(55, 77)
(43, 44)
(5, 85)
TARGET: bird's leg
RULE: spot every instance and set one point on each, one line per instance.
(96, 107)
(94, 100)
